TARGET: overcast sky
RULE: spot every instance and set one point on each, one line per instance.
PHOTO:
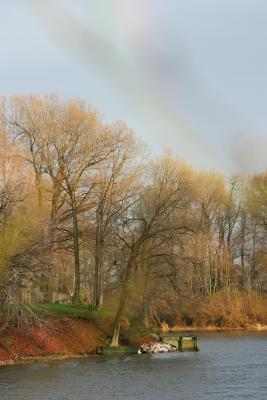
(190, 75)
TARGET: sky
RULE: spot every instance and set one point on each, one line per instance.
(185, 75)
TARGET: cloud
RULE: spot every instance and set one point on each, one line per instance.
(249, 151)
(146, 64)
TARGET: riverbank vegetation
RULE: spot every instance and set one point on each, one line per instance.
(65, 330)
(87, 218)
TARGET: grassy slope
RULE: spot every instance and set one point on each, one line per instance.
(68, 330)
(102, 318)
(70, 311)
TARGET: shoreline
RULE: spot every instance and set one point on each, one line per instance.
(17, 360)
(256, 328)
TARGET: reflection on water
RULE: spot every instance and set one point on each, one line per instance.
(229, 365)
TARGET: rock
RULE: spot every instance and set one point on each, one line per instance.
(157, 348)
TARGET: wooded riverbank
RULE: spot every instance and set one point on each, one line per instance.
(88, 219)
(64, 331)
(69, 332)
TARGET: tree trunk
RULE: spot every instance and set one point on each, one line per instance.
(76, 297)
(38, 182)
(146, 295)
(119, 314)
(242, 244)
(146, 310)
(99, 252)
(55, 198)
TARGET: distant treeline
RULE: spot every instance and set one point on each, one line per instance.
(87, 217)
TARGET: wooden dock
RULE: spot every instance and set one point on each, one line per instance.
(182, 342)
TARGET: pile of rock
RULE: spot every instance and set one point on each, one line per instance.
(157, 348)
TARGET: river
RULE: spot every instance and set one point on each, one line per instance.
(228, 366)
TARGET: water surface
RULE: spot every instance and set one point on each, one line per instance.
(228, 366)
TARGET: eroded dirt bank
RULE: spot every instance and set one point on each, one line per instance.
(58, 338)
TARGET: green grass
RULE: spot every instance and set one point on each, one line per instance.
(62, 309)
(69, 310)
(117, 350)
(138, 332)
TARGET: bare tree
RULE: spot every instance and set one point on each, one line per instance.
(71, 154)
(158, 213)
(114, 186)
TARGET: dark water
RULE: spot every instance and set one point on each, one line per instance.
(228, 366)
